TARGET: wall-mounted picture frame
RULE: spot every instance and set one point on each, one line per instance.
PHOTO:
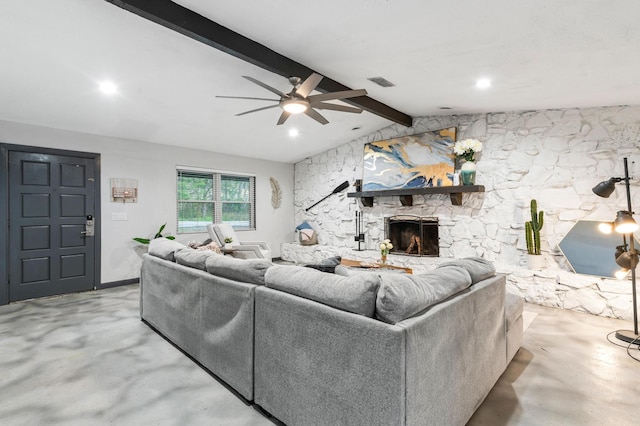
(417, 161)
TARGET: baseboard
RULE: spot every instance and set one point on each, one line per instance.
(112, 284)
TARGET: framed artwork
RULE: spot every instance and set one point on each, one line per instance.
(416, 161)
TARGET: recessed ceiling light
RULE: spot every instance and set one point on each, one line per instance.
(293, 133)
(483, 83)
(108, 88)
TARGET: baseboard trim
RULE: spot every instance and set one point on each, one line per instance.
(113, 284)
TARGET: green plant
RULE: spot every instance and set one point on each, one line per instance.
(532, 229)
(158, 235)
(228, 240)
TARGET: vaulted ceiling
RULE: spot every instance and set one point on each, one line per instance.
(543, 54)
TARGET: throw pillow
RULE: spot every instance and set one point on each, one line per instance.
(326, 265)
(243, 270)
(404, 296)
(479, 268)
(194, 258)
(355, 294)
(306, 234)
(164, 249)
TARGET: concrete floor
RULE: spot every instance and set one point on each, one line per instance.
(87, 359)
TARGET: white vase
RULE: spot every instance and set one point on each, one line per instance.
(535, 262)
(228, 246)
(468, 173)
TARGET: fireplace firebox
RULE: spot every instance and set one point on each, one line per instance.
(413, 235)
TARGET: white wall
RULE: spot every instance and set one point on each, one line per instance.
(554, 156)
(154, 166)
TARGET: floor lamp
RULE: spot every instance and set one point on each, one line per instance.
(626, 258)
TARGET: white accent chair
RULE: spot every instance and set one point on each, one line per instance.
(241, 249)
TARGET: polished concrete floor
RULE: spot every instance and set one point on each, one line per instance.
(87, 359)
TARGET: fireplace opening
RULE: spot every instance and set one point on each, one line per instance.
(413, 235)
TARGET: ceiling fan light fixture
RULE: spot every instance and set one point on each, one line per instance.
(295, 106)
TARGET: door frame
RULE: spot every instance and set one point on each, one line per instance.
(4, 210)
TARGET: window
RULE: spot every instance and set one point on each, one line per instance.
(209, 197)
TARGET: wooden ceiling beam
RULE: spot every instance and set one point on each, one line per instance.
(197, 27)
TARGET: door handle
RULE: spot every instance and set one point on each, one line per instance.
(89, 227)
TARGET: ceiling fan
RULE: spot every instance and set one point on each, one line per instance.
(298, 99)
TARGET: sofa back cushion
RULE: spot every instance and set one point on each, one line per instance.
(164, 248)
(355, 294)
(404, 296)
(479, 268)
(194, 258)
(243, 270)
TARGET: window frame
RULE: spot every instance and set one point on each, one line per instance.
(216, 190)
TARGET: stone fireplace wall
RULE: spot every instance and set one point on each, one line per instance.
(554, 156)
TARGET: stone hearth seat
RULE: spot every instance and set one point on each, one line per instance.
(242, 249)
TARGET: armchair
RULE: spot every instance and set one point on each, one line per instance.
(242, 249)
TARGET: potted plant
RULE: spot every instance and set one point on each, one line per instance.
(157, 235)
(227, 243)
(532, 234)
(466, 150)
(385, 248)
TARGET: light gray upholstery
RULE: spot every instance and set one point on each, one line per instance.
(316, 365)
(300, 353)
(479, 268)
(194, 258)
(242, 249)
(248, 271)
(164, 248)
(403, 296)
(514, 324)
(208, 317)
(355, 294)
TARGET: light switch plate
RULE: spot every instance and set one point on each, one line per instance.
(118, 216)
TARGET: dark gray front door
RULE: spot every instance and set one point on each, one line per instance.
(50, 198)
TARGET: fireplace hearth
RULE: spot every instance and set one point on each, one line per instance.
(413, 235)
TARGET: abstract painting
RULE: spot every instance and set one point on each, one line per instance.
(416, 161)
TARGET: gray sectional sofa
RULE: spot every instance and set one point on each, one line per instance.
(311, 347)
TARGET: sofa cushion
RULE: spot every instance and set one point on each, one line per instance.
(404, 296)
(243, 270)
(479, 268)
(355, 294)
(194, 258)
(514, 307)
(164, 248)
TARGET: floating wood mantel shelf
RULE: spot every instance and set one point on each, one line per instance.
(406, 194)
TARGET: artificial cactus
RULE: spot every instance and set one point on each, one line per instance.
(532, 229)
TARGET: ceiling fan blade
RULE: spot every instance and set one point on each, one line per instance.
(337, 95)
(334, 107)
(283, 117)
(264, 85)
(309, 84)
(258, 109)
(244, 97)
(316, 116)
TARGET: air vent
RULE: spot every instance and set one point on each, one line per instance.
(381, 81)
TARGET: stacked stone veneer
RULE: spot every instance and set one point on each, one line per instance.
(554, 156)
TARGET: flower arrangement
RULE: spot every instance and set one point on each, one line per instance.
(385, 247)
(467, 148)
(228, 240)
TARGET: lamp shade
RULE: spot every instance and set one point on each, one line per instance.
(605, 188)
(626, 261)
(624, 223)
